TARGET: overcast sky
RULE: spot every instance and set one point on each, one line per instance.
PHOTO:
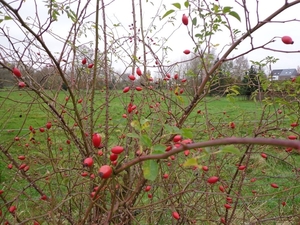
(120, 11)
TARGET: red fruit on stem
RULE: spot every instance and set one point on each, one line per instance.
(113, 157)
(22, 166)
(205, 168)
(223, 221)
(165, 176)
(176, 215)
(117, 150)
(90, 65)
(48, 125)
(242, 167)
(42, 129)
(138, 71)
(227, 206)
(273, 185)
(186, 152)
(16, 72)
(176, 76)
(96, 140)
(138, 88)
(177, 138)
(264, 155)
(294, 124)
(232, 125)
(21, 157)
(292, 137)
(83, 61)
(88, 162)
(287, 40)
(10, 166)
(186, 51)
(131, 77)
(185, 20)
(148, 188)
(21, 84)
(105, 171)
(126, 89)
(12, 209)
(44, 197)
(212, 180)
(183, 80)
(221, 188)
(1, 192)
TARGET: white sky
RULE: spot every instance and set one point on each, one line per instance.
(119, 11)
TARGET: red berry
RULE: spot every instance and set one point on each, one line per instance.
(183, 80)
(84, 174)
(42, 129)
(44, 197)
(22, 166)
(1, 192)
(223, 221)
(117, 150)
(165, 176)
(186, 51)
(149, 195)
(21, 84)
(105, 171)
(96, 140)
(21, 157)
(273, 185)
(147, 188)
(177, 138)
(221, 188)
(113, 157)
(126, 89)
(212, 180)
(12, 209)
(90, 65)
(186, 152)
(138, 71)
(83, 61)
(176, 76)
(205, 168)
(88, 162)
(16, 72)
(48, 125)
(287, 40)
(175, 215)
(242, 167)
(294, 124)
(227, 206)
(138, 88)
(292, 137)
(232, 125)
(131, 77)
(10, 166)
(185, 19)
(264, 155)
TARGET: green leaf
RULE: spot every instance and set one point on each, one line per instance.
(194, 21)
(150, 169)
(7, 18)
(187, 132)
(227, 9)
(231, 149)
(190, 162)
(135, 124)
(158, 149)
(186, 4)
(168, 13)
(172, 129)
(177, 5)
(133, 135)
(146, 141)
(235, 15)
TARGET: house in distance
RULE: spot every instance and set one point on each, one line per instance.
(284, 74)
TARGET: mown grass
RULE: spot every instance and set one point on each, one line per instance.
(20, 109)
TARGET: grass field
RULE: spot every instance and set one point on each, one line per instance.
(19, 110)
